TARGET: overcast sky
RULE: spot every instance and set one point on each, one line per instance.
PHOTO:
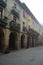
(36, 6)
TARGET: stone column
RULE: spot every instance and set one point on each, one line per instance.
(30, 41)
(18, 40)
(6, 39)
(25, 41)
(34, 42)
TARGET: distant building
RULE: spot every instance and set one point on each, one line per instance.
(18, 26)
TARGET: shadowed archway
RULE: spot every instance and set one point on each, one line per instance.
(12, 41)
(22, 41)
(1, 40)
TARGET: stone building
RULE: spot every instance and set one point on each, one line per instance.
(18, 26)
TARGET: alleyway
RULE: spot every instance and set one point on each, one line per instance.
(31, 56)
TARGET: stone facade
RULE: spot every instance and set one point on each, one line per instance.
(18, 27)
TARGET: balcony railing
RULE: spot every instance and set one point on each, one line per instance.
(15, 26)
(15, 12)
(32, 32)
(2, 4)
(3, 22)
(24, 29)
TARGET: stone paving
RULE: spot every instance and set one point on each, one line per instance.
(31, 56)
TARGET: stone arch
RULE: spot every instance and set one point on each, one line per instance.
(22, 40)
(1, 39)
(12, 40)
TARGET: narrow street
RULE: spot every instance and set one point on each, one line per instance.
(31, 56)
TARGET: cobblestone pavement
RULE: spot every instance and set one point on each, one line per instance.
(31, 56)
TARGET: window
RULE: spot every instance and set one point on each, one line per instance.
(15, 5)
(0, 14)
(14, 18)
(23, 13)
(29, 27)
(23, 24)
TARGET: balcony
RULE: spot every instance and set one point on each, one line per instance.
(3, 22)
(2, 4)
(24, 29)
(14, 26)
(32, 32)
(15, 12)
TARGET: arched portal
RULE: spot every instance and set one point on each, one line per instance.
(1, 39)
(22, 41)
(12, 41)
